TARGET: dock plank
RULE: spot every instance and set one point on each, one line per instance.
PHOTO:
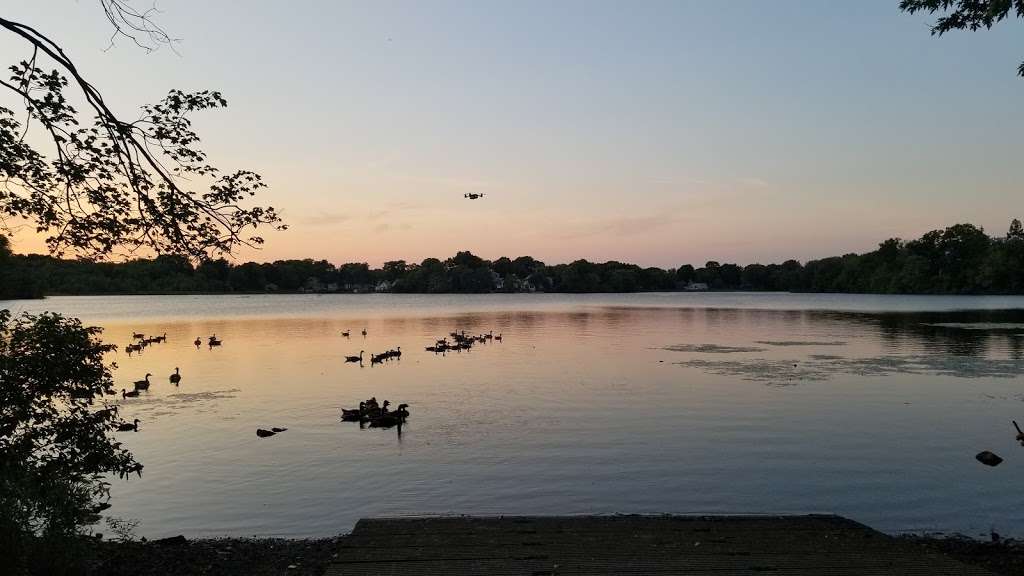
(594, 545)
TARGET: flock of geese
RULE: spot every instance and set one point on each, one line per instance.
(377, 415)
(393, 354)
(461, 341)
(139, 343)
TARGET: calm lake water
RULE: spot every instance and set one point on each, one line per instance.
(871, 407)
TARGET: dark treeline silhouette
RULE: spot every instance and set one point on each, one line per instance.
(960, 259)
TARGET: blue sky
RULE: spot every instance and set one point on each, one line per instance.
(653, 132)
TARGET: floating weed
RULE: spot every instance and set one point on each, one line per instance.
(711, 348)
(801, 342)
(822, 367)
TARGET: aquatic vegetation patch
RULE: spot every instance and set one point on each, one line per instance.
(761, 370)
(801, 342)
(711, 348)
(824, 367)
(978, 325)
(193, 397)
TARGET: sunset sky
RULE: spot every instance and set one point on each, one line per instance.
(659, 133)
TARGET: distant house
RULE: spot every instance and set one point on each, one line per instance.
(312, 285)
(696, 287)
(497, 281)
(383, 286)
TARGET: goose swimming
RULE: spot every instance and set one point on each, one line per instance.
(128, 427)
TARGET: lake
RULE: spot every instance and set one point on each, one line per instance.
(872, 407)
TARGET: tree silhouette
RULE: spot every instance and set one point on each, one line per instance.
(115, 184)
(966, 14)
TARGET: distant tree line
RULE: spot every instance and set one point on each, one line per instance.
(961, 259)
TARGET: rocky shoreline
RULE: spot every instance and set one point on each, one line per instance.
(310, 557)
(221, 556)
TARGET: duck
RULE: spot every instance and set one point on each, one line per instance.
(355, 358)
(126, 427)
(176, 377)
(126, 394)
(143, 384)
(264, 433)
(198, 342)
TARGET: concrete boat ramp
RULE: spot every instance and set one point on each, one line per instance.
(659, 545)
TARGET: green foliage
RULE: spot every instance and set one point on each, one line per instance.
(966, 14)
(56, 443)
(960, 259)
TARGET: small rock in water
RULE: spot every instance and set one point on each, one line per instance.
(988, 458)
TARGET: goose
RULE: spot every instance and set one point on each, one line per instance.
(264, 433)
(143, 384)
(355, 358)
(132, 394)
(198, 342)
(214, 341)
(397, 353)
(346, 333)
(275, 429)
(498, 337)
(161, 338)
(364, 332)
(376, 412)
(129, 349)
(176, 377)
(402, 411)
(351, 415)
(126, 427)
(138, 336)
(376, 359)
(1020, 434)
(385, 421)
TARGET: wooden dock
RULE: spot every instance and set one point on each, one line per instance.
(573, 545)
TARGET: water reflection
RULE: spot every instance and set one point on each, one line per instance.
(588, 405)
